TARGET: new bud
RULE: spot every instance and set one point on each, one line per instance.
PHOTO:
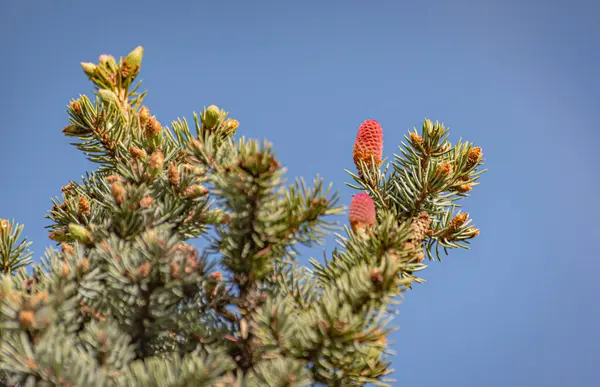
(231, 126)
(137, 153)
(4, 226)
(463, 188)
(58, 235)
(458, 221)
(144, 115)
(474, 157)
(428, 127)
(173, 175)
(76, 107)
(108, 61)
(88, 68)
(74, 130)
(153, 132)
(195, 191)
(27, 318)
(473, 232)
(146, 202)
(362, 212)
(117, 191)
(444, 170)
(80, 233)
(416, 140)
(107, 96)
(83, 209)
(134, 58)
(156, 163)
(211, 117)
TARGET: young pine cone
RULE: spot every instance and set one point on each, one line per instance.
(362, 212)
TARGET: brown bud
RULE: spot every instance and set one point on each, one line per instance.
(144, 115)
(84, 206)
(65, 270)
(156, 163)
(473, 231)
(376, 276)
(27, 318)
(217, 276)
(420, 226)
(83, 265)
(173, 175)
(57, 235)
(231, 126)
(420, 257)
(143, 270)
(226, 218)
(66, 248)
(118, 192)
(458, 221)
(409, 246)
(475, 155)
(153, 129)
(464, 188)
(67, 189)
(416, 140)
(146, 202)
(37, 298)
(113, 179)
(174, 269)
(4, 226)
(76, 107)
(137, 153)
(382, 340)
(444, 170)
(195, 191)
(193, 169)
(31, 364)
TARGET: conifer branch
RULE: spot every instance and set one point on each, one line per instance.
(128, 300)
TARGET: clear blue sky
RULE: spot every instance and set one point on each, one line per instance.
(520, 79)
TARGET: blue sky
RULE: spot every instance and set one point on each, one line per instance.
(519, 79)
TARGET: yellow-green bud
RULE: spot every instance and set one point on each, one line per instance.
(134, 58)
(428, 127)
(108, 96)
(80, 233)
(108, 61)
(211, 117)
(88, 68)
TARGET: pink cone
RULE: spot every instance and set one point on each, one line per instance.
(362, 211)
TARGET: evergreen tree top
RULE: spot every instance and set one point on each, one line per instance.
(124, 299)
